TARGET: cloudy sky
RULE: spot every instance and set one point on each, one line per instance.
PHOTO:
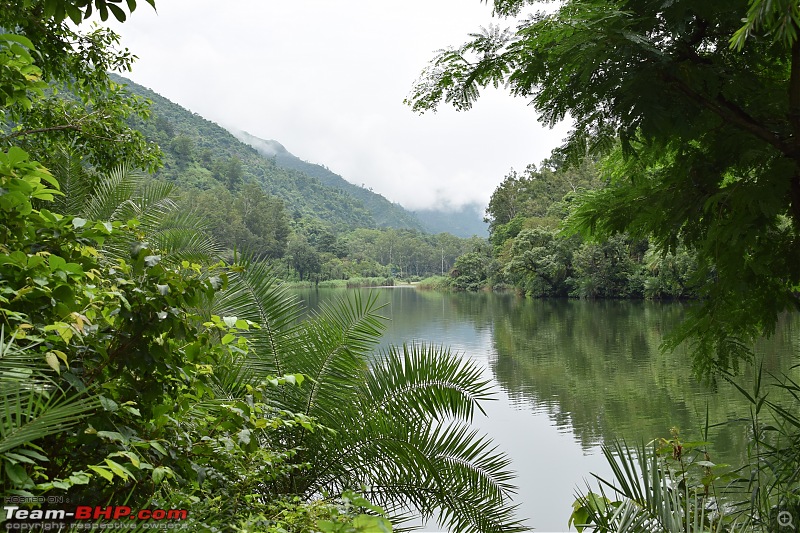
(327, 79)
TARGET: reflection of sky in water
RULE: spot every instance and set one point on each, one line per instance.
(534, 422)
(549, 462)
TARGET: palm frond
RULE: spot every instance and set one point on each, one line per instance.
(111, 193)
(254, 294)
(332, 349)
(403, 432)
(652, 498)
(426, 380)
(182, 236)
(74, 181)
(32, 406)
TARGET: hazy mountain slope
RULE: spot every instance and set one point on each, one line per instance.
(200, 154)
(465, 221)
(385, 213)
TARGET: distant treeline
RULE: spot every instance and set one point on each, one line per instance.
(531, 248)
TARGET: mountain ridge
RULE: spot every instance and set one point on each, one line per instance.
(199, 153)
(385, 212)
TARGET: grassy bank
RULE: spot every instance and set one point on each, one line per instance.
(434, 283)
(351, 283)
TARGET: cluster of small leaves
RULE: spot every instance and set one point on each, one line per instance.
(79, 10)
(21, 78)
(92, 111)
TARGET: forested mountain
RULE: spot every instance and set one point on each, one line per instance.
(200, 154)
(385, 213)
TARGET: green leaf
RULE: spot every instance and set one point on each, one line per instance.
(32, 453)
(113, 436)
(371, 524)
(158, 447)
(80, 478)
(134, 459)
(16, 458)
(108, 404)
(52, 360)
(119, 470)
(103, 471)
(20, 39)
(326, 526)
(17, 474)
(119, 14)
(160, 473)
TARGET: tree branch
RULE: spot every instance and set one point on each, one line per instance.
(794, 120)
(24, 133)
(734, 115)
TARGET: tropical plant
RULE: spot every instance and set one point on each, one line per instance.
(400, 414)
(673, 486)
(34, 405)
(125, 194)
(670, 490)
(768, 483)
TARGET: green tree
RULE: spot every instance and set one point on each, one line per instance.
(699, 114)
(303, 257)
(470, 271)
(93, 112)
(541, 262)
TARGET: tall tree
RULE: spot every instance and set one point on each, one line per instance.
(699, 117)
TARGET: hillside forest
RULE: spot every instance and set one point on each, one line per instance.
(310, 230)
(317, 231)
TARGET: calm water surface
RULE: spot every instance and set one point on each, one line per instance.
(571, 375)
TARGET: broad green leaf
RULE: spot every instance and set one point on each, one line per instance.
(17, 474)
(52, 360)
(103, 471)
(119, 470)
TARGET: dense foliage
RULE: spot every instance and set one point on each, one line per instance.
(697, 116)
(138, 368)
(531, 252)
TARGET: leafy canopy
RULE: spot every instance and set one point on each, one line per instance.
(698, 115)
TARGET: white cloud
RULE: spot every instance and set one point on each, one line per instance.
(327, 80)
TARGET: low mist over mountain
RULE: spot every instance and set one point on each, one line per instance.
(384, 212)
(199, 153)
(464, 221)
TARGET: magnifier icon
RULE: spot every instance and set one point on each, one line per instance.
(785, 519)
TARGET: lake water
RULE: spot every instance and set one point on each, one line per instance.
(571, 375)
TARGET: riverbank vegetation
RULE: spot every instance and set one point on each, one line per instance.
(690, 113)
(535, 251)
(142, 367)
